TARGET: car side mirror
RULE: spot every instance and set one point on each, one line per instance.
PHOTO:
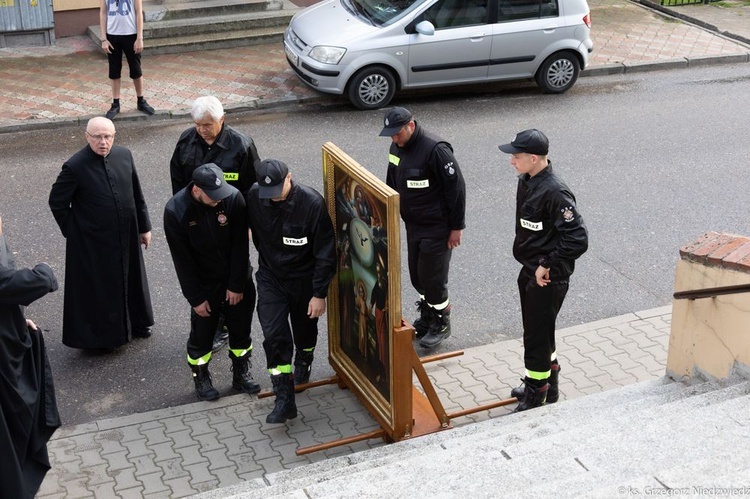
(425, 28)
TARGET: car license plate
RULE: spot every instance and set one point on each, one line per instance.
(290, 55)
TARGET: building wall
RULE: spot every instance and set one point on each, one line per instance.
(73, 17)
(710, 337)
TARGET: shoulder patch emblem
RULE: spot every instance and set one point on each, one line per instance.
(568, 214)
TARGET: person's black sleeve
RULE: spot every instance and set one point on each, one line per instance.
(238, 259)
(250, 162)
(184, 263)
(60, 197)
(141, 210)
(324, 250)
(573, 240)
(445, 167)
(22, 287)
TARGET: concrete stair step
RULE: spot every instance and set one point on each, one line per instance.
(217, 24)
(211, 24)
(593, 443)
(580, 416)
(207, 41)
(206, 8)
(675, 451)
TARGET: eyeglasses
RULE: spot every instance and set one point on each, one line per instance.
(98, 138)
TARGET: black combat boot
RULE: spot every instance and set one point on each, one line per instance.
(242, 379)
(203, 385)
(221, 336)
(302, 366)
(285, 408)
(440, 328)
(553, 394)
(517, 392)
(534, 394)
(422, 324)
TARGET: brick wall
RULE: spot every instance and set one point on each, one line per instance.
(724, 250)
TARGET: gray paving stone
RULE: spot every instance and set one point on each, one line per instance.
(106, 489)
(190, 455)
(77, 488)
(226, 476)
(137, 448)
(132, 493)
(153, 483)
(131, 433)
(271, 464)
(125, 479)
(182, 438)
(180, 487)
(199, 473)
(110, 441)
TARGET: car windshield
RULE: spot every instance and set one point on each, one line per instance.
(382, 12)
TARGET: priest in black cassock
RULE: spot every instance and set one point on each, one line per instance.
(98, 203)
(28, 411)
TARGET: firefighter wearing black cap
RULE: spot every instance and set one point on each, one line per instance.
(293, 233)
(211, 140)
(206, 228)
(550, 236)
(422, 168)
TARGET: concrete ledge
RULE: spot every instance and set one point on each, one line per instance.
(604, 70)
(681, 63)
(721, 59)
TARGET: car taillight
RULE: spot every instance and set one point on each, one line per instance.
(587, 19)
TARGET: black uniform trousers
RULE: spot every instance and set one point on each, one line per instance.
(281, 301)
(539, 309)
(429, 262)
(237, 318)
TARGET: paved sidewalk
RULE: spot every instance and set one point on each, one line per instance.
(181, 451)
(43, 87)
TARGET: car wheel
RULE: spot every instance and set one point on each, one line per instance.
(372, 88)
(558, 72)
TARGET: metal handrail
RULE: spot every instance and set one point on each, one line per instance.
(711, 292)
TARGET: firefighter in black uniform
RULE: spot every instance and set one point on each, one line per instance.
(213, 141)
(293, 233)
(550, 235)
(206, 228)
(422, 168)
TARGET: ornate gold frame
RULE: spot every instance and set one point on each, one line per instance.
(352, 192)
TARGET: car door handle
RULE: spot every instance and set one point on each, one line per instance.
(550, 29)
(478, 37)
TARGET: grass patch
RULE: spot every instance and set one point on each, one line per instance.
(732, 4)
(677, 3)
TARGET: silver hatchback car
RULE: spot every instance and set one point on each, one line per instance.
(367, 49)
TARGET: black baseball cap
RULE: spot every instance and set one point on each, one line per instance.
(529, 141)
(271, 174)
(210, 179)
(395, 121)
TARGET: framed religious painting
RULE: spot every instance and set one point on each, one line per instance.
(364, 300)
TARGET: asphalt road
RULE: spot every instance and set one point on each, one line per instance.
(655, 160)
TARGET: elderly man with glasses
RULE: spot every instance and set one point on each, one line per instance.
(98, 203)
